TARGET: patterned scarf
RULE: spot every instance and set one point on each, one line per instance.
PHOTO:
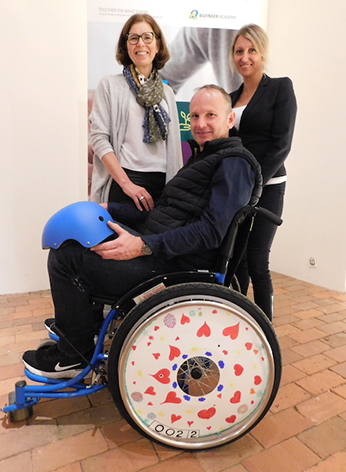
(149, 96)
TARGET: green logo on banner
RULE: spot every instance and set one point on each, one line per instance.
(184, 121)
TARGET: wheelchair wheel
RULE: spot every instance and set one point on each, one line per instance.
(194, 366)
(46, 343)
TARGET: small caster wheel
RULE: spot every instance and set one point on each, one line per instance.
(18, 415)
(46, 343)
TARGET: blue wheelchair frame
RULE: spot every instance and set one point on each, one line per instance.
(26, 396)
(231, 251)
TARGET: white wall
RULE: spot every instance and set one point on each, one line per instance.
(43, 127)
(43, 45)
(307, 43)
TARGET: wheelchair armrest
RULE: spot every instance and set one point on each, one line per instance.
(235, 242)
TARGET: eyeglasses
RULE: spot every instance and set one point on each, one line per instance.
(147, 38)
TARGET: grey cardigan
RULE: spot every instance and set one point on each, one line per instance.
(108, 122)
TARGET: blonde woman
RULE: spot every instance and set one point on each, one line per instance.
(265, 110)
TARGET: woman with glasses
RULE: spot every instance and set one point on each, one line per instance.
(134, 125)
(265, 110)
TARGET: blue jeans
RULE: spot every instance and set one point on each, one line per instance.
(77, 274)
(255, 264)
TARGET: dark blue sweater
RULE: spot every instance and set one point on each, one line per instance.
(229, 189)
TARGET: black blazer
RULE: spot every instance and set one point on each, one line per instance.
(267, 124)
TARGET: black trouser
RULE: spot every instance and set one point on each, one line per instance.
(77, 274)
(153, 182)
(255, 264)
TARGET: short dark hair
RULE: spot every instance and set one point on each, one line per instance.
(162, 55)
(225, 95)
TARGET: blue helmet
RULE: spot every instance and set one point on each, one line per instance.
(84, 222)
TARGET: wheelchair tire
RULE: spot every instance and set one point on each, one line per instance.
(45, 344)
(194, 366)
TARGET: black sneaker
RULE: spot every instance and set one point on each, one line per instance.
(48, 324)
(54, 364)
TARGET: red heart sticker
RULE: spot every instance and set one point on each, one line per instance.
(238, 370)
(231, 419)
(173, 353)
(231, 331)
(190, 423)
(236, 397)
(156, 355)
(184, 319)
(204, 331)
(257, 380)
(248, 346)
(172, 398)
(150, 391)
(156, 328)
(162, 376)
(206, 414)
(175, 418)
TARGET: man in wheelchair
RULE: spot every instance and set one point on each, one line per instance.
(183, 232)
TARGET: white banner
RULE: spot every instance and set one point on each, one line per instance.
(107, 17)
(198, 39)
(218, 14)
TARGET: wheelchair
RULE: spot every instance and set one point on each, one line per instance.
(189, 361)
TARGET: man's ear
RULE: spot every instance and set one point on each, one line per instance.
(231, 120)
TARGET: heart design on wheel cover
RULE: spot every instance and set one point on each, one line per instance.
(150, 391)
(184, 319)
(231, 331)
(172, 398)
(238, 370)
(257, 380)
(231, 419)
(236, 397)
(204, 331)
(206, 414)
(162, 376)
(174, 352)
(175, 418)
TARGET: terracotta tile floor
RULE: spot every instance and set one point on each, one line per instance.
(304, 431)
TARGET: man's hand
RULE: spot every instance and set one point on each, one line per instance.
(125, 247)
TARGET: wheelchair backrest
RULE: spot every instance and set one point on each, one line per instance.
(234, 244)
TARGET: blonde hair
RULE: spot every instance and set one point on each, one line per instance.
(258, 38)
